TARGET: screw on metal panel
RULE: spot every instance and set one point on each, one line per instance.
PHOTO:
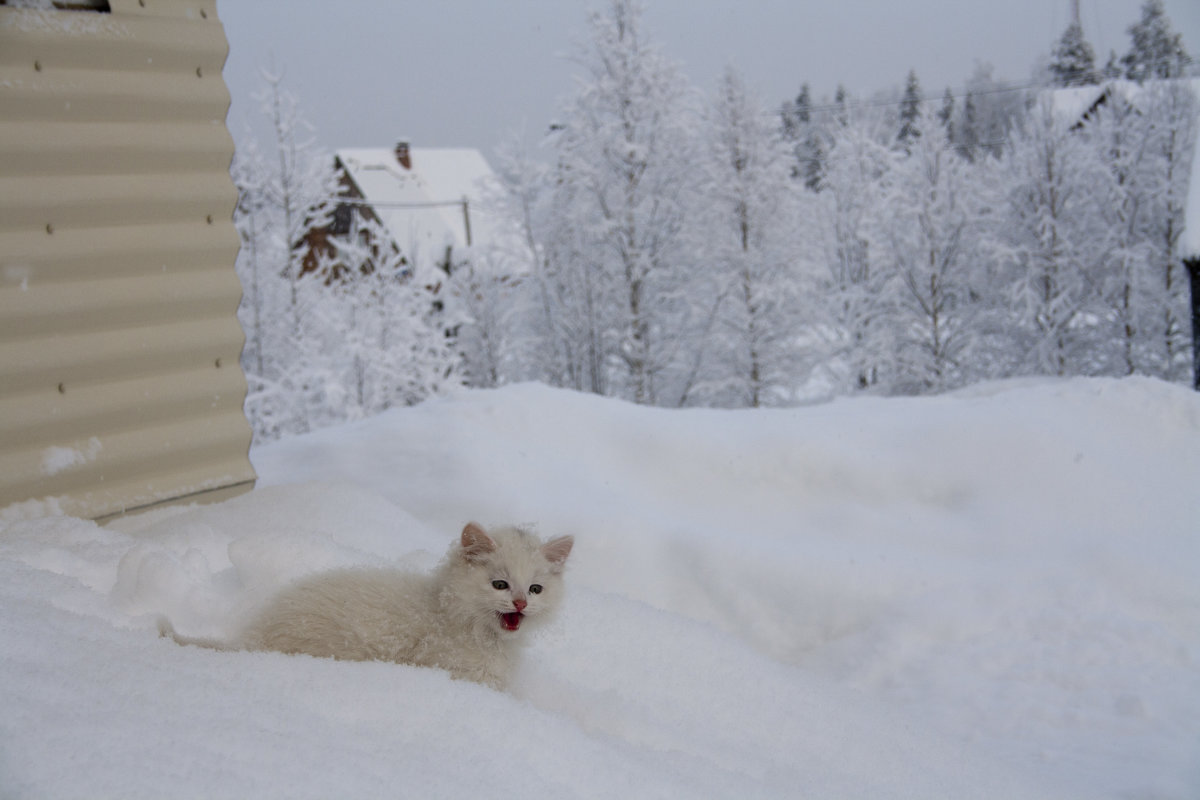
(209, 219)
(203, 14)
(62, 388)
(218, 363)
(199, 72)
(37, 66)
(50, 228)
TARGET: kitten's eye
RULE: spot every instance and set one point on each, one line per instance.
(535, 589)
(499, 584)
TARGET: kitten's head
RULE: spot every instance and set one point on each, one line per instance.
(508, 579)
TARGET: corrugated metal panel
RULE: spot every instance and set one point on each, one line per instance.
(120, 386)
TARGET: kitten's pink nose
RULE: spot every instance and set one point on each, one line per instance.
(519, 604)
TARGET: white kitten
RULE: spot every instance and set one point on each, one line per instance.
(469, 616)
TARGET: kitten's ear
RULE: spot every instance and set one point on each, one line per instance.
(476, 542)
(557, 550)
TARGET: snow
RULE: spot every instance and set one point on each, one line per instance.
(55, 459)
(1071, 104)
(987, 594)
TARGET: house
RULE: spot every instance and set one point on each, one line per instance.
(120, 386)
(428, 200)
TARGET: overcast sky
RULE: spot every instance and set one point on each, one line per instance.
(467, 73)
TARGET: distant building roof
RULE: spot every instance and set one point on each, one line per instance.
(428, 198)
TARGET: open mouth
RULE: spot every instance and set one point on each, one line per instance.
(511, 621)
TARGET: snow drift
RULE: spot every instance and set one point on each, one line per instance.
(984, 594)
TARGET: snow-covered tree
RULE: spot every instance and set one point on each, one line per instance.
(797, 113)
(995, 108)
(1073, 61)
(945, 115)
(282, 194)
(536, 339)
(966, 139)
(1055, 244)
(662, 260)
(839, 106)
(853, 302)
(250, 217)
(910, 113)
(624, 161)
(386, 326)
(1173, 111)
(931, 231)
(303, 183)
(1122, 136)
(1112, 68)
(801, 128)
(1156, 50)
(746, 236)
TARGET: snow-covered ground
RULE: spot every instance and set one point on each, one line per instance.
(991, 594)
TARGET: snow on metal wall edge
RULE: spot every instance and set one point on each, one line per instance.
(120, 383)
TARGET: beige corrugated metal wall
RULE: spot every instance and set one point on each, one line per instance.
(120, 386)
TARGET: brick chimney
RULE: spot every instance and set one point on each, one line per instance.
(402, 154)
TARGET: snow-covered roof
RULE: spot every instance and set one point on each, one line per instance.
(1073, 103)
(1076, 102)
(430, 205)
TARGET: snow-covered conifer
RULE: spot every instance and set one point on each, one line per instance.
(1073, 61)
(910, 113)
(1156, 50)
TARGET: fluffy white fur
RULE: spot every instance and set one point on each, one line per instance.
(469, 616)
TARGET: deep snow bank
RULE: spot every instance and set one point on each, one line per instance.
(986, 594)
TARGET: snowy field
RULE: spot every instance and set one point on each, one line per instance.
(989, 594)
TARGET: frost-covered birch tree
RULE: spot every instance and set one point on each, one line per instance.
(1172, 110)
(282, 194)
(932, 235)
(854, 287)
(536, 342)
(746, 231)
(1123, 137)
(1056, 245)
(382, 327)
(252, 221)
(623, 165)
